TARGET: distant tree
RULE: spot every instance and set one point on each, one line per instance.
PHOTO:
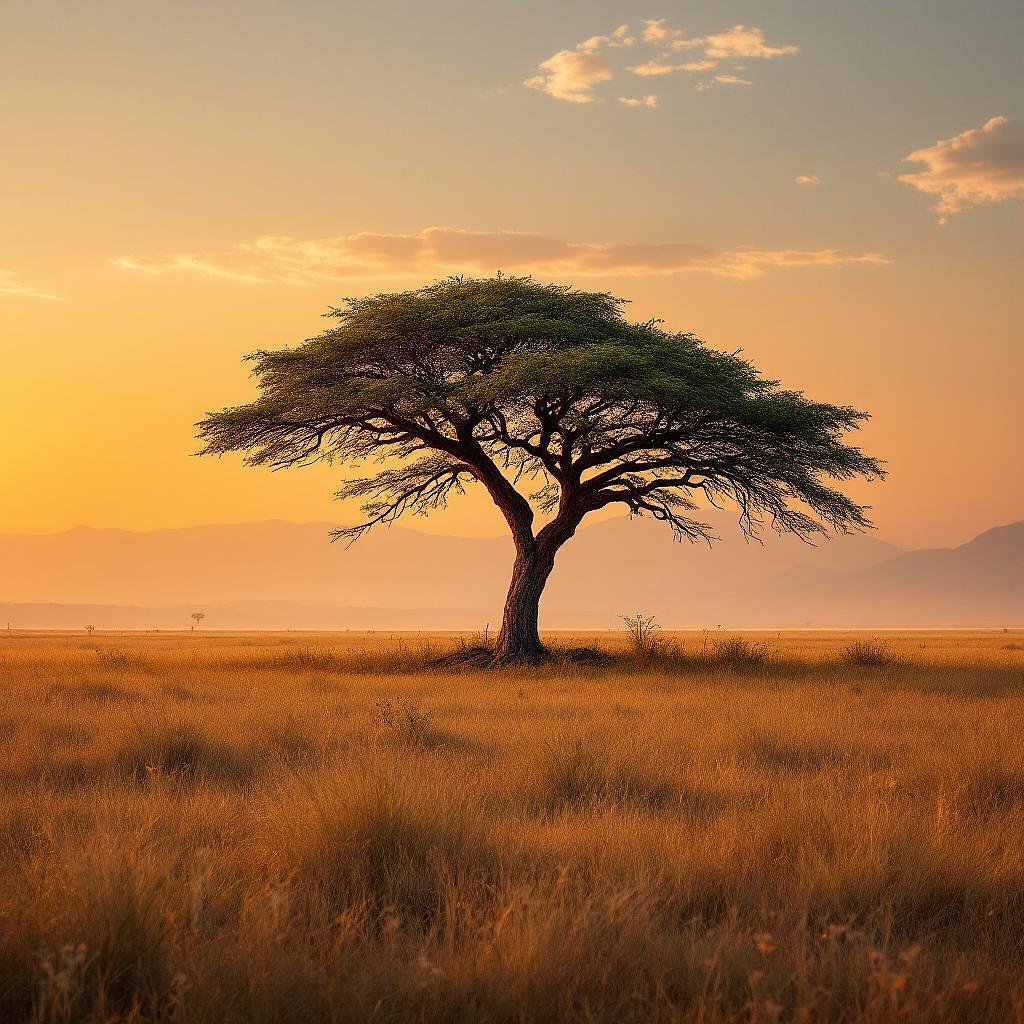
(90, 629)
(556, 404)
(198, 618)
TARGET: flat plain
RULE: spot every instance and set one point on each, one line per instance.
(240, 827)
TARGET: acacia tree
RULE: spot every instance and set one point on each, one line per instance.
(558, 406)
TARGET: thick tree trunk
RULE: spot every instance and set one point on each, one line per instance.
(519, 639)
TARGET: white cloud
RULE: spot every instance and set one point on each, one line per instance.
(654, 67)
(661, 67)
(680, 42)
(807, 179)
(639, 101)
(10, 285)
(981, 165)
(743, 41)
(654, 31)
(699, 65)
(439, 250)
(622, 37)
(572, 75)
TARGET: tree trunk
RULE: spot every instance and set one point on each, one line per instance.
(519, 639)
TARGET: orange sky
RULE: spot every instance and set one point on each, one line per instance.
(181, 187)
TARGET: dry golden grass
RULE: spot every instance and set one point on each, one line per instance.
(320, 828)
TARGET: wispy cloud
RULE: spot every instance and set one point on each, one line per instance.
(440, 250)
(10, 285)
(981, 165)
(573, 75)
(807, 179)
(660, 66)
(639, 101)
(743, 41)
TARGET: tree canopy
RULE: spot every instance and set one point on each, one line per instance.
(557, 404)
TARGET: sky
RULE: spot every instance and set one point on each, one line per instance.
(837, 188)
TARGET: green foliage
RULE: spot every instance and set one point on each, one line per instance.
(503, 380)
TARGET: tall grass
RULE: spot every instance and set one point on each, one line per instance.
(228, 829)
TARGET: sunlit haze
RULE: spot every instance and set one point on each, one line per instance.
(836, 189)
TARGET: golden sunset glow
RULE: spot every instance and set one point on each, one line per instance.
(182, 186)
(511, 512)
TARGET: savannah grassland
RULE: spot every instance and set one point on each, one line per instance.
(220, 828)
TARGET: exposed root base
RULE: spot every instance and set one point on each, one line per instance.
(486, 658)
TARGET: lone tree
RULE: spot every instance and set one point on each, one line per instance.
(198, 617)
(554, 402)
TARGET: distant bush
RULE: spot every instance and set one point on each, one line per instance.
(642, 633)
(871, 652)
(738, 654)
(643, 636)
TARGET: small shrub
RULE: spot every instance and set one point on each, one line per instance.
(403, 721)
(739, 654)
(642, 634)
(870, 653)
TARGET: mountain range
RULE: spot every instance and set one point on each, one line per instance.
(288, 575)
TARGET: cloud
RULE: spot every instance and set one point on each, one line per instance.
(572, 75)
(639, 101)
(661, 67)
(441, 250)
(652, 68)
(10, 285)
(981, 165)
(807, 179)
(654, 31)
(621, 37)
(743, 41)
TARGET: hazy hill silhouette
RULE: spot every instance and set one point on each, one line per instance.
(279, 574)
(980, 583)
